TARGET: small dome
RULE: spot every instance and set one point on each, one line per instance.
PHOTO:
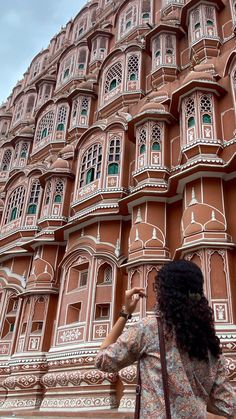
(152, 105)
(67, 149)
(28, 130)
(198, 75)
(60, 164)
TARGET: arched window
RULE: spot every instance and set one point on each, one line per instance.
(113, 169)
(189, 116)
(34, 197)
(59, 190)
(57, 199)
(6, 160)
(133, 67)
(206, 110)
(191, 122)
(156, 52)
(84, 106)
(82, 59)
(4, 128)
(142, 148)
(60, 127)
(67, 68)
(108, 274)
(91, 165)
(128, 19)
(15, 204)
(48, 193)
(32, 209)
(24, 150)
(206, 119)
(142, 140)
(196, 25)
(146, 10)
(113, 77)
(45, 126)
(30, 105)
(156, 146)
(114, 156)
(61, 118)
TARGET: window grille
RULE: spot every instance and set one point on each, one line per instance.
(91, 165)
(24, 150)
(83, 279)
(30, 105)
(4, 128)
(114, 74)
(133, 67)
(128, 20)
(34, 197)
(108, 275)
(59, 187)
(114, 150)
(61, 118)
(6, 160)
(196, 18)
(45, 126)
(82, 59)
(206, 103)
(48, 193)
(189, 107)
(15, 204)
(156, 136)
(209, 13)
(19, 110)
(84, 106)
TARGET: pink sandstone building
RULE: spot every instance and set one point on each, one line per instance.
(117, 154)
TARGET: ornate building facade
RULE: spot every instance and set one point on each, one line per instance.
(118, 153)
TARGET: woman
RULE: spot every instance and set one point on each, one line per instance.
(196, 369)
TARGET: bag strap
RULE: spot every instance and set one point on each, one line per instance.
(138, 393)
(163, 367)
(164, 375)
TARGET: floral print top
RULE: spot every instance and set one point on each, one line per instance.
(193, 384)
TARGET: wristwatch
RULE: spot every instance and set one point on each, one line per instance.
(126, 316)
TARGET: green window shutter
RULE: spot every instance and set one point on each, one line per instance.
(210, 23)
(32, 209)
(44, 133)
(156, 146)
(84, 112)
(191, 122)
(60, 127)
(133, 76)
(113, 169)
(13, 214)
(206, 119)
(142, 148)
(23, 154)
(57, 198)
(113, 84)
(90, 176)
(66, 73)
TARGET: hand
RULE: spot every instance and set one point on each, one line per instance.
(132, 298)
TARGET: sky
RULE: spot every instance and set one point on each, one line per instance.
(26, 26)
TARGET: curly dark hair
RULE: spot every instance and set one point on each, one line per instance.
(185, 309)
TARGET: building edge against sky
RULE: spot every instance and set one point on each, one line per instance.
(118, 153)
